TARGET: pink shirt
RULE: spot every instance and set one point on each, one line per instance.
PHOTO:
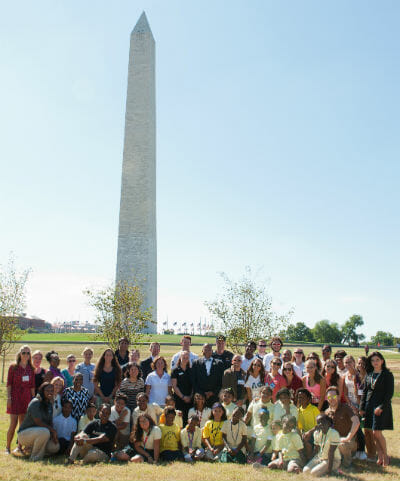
(275, 383)
(314, 390)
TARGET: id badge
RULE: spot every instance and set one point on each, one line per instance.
(360, 392)
(241, 382)
(25, 378)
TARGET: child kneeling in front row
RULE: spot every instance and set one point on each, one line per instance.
(327, 456)
(260, 451)
(191, 441)
(288, 448)
(234, 434)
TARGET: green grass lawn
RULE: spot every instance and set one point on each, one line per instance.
(82, 337)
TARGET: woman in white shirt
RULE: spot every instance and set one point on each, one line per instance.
(158, 382)
(298, 361)
(255, 379)
(58, 383)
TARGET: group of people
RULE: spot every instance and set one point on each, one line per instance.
(276, 410)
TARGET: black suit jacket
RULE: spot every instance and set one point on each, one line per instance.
(145, 366)
(203, 383)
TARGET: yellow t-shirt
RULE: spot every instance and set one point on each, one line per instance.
(178, 420)
(254, 409)
(289, 444)
(212, 431)
(170, 437)
(279, 411)
(307, 418)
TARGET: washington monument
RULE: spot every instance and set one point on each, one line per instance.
(137, 238)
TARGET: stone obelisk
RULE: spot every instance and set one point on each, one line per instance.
(137, 241)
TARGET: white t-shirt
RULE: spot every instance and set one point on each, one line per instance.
(204, 415)
(153, 410)
(262, 435)
(234, 433)
(267, 360)
(126, 419)
(280, 411)
(175, 358)
(149, 438)
(65, 426)
(246, 362)
(299, 370)
(255, 384)
(159, 387)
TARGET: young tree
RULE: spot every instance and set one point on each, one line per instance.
(349, 328)
(120, 312)
(244, 311)
(12, 305)
(326, 331)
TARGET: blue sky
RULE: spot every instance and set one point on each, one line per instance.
(277, 148)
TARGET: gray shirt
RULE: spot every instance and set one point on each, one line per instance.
(87, 371)
(37, 409)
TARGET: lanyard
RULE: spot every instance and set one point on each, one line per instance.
(190, 439)
(237, 432)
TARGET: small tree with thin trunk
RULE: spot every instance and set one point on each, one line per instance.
(12, 305)
(120, 312)
(243, 311)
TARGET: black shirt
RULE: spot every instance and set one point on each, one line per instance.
(225, 357)
(122, 360)
(96, 428)
(183, 379)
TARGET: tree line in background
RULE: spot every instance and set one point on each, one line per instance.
(243, 311)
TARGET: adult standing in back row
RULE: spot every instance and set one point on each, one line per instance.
(186, 342)
(207, 375)
(147, 364)
(221, 353)
(276, 346)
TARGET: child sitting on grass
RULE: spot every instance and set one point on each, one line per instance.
(234, 434)
(191, 441)
(170, 403)
(263, 402)
(260, 451)
(327, 455)
(121, 417)
(284, 406)
(212, 435)
(144, 407)
(91, 412)
(289, 448)
(226, 397)
(170, 446)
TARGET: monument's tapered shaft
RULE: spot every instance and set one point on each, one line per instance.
(137, 241)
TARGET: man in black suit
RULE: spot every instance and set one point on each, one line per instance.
(207, 375)
(145, 365)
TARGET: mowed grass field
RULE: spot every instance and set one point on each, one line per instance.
(53, 469)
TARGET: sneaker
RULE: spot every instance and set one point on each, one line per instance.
(361, 455)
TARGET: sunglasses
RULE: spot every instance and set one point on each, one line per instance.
(332, 397)
(262, 345)
(71, 360)
(25, 352)
(330, 367)
(299, 352)
(276, 363)
(287, 369)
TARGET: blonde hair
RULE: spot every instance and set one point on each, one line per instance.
(58, 378)
(18, 357)
(87, 348)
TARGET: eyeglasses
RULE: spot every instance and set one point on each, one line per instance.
(71, 360)
(262, 345)
(326, 350)
(276, 344)
(298, 352)
(26, 353)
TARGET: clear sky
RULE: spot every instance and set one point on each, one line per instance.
(277, 147)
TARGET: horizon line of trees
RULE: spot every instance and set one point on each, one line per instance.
(328, 332)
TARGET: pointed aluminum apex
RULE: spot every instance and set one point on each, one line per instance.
(142, 25)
